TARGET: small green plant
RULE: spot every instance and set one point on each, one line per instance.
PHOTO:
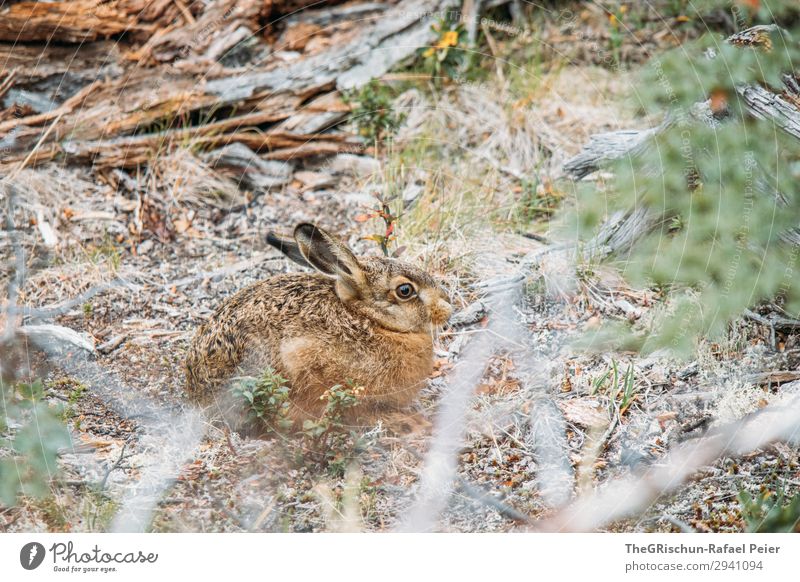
(621, 390)
(677, 8)
(266, 399)
(536, 200)
(330, 435)
(372, 111)
(770, 512)
(743, 13)
(447, 56)
(327, 440)
(107, 252)
(75, 391)
(615, 36)
(339, 399)
(31, 434)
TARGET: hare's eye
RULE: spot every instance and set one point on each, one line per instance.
(405, 291)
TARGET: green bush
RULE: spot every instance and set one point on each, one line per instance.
(447, 57)
(266, 399)
(770, 512)
(31, 434)
(725, 194)
(744, 13)
(372, 111)
(330, 439)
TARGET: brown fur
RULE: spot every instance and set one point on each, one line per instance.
(346, 323)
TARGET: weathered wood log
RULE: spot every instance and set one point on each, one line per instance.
(130, 152)
(222, 25)
(764, 104)
(330, 15)
(621, 232)
(127, 114)
(48, 75)
(241, 163)
(396, 36)
(606, 147)
(80, 21)
(71, 21)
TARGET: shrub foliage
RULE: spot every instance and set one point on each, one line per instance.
(724, 186)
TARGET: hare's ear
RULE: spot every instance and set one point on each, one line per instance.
(329, 256)
(289, 247)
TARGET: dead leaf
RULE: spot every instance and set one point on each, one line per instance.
(181, 225)
(584, 412)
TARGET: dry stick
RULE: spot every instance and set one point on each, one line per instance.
(763, 321)
(495, 51)
(35, 149)
(775, 321)
(483, 496)
(114, 467)
(8, 82)
(187, 15)
(631, 496)
(66, 306)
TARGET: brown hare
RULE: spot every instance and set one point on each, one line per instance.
(366, 320)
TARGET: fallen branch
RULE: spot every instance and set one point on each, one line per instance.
(113, 467)
(68, 305)
(54, 337)
(99, 123)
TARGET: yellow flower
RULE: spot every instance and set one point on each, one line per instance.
(428, 53)
(449, 38)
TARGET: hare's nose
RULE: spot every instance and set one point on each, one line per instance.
(445, 308)
(441, 312)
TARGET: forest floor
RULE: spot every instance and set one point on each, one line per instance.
(460, 168)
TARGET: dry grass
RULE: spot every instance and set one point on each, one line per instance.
(185, 180)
